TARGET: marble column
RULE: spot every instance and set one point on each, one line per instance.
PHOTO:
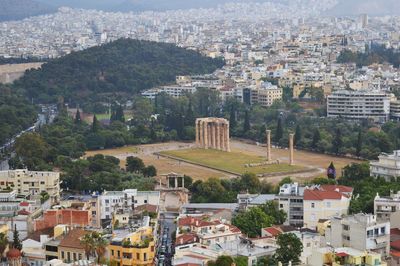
(205, 129)
(197, 134)
(222, 136)
(201, 135)
(218, 137)
(228, 143)
(291, 149)
(268, 145)
(176, 182)
(213, 136)
(183, 181)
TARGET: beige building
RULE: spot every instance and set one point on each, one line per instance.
(325, 202)
(388, 166)
(32, 183)
(360, 231)
(266, 95)
(385, 207)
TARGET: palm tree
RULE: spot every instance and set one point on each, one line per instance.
(100, 247)
(3, 244)
(87, 242)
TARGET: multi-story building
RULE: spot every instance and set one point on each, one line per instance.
(266, 94)
(291, 202)
(360, 231)
(325, 202)
(175, 91)
(361, 104)
(387, 166)
(133, 248)
(385, 206)
(32, 183)
(112, 201)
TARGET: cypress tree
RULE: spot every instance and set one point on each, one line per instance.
(232, 119)
(78, 118)
(95, 124)
(246, 125)
(316, 138)
(279, 131)
(297, 135)
(16, 241)
(337, 141)
(359, 143)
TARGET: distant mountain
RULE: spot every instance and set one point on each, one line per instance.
(86, 4)
(20, 9)
(370, 7)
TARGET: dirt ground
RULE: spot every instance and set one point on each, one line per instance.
(165, 165)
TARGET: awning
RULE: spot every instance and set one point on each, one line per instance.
(342, 254)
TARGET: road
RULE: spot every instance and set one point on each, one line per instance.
(165, 249)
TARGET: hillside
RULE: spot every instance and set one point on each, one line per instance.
(124, 67)
(20, 9)
(371, 7)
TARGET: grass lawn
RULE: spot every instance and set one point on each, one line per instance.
(230, 161)
(114, 152)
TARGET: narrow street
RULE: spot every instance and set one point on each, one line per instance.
(166, 243)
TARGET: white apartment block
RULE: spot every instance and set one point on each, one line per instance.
(385, 206)
(360, 231)
(361, 104)
(291, 202)
(175, 91)
(387, 166)
(128, 199)
(32, 183)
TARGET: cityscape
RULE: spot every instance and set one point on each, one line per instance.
(200, 133)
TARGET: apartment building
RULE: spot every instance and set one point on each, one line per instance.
(361, 104)
(387, 166)
(175, 91)
(360, 231)
(266, 94)
(325, 202)
(133, 248)
(385, 206)
(112, 201)
(290, 200)
(32, 183)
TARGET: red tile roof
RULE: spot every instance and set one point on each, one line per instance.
(395, 231)
(72, 239)
(321, 195)
(272, 231)
(342, 189)
(24, 204)
(186, 239)
(395, 253)
(194, 221)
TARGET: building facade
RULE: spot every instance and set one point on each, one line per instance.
(385, 206)
(387, 166)
(290, 200)
(32, 183)
(358, 105)
(360, 231)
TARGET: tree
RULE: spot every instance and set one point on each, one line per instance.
(33, 151)
(16, 241)
(279, 130)
(232, 118)
(87, 242)
(286, 180)
(251, 222)
(250, 182)
(241, 261)
(134, 164)
(150, 171)
(271, 208)
(290, 248)
(246, 124)
(222, 261)
(100, 245)
(359, 143)
(3, 244)
(337, 141)
(95, 124)
(331, 172)
(297, 135)
(316, 138)
(78, 118)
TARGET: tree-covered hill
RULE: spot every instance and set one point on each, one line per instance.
(125, 66)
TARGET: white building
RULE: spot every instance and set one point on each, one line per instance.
(361, 104)
(385, 206)
(175, 91)
(291, 202)
(111, 201)
(360, 231)
(387, 166)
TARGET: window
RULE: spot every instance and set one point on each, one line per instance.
(281, 206)
(138, 256)
(112, 252)
(107, 201)
(328, 204)
(62, 255)
(370, 233)
(145, 201)
(74, 255)
(376, 231)
(312, 205)
(383, 230)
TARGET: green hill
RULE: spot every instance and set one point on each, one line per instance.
(121, 68)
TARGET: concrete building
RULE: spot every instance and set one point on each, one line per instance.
(387, 166)
(31, 183)
(385, 206)
(111, 201)
(360, 231)
(246, 201)
(325, 202)
(266, 94)
(357, 105)
(173, 91)
(290, 200)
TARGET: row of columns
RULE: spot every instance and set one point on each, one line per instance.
(212, 133)
(291, 147)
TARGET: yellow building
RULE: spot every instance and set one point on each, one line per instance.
(344, 256)
(133, 249)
